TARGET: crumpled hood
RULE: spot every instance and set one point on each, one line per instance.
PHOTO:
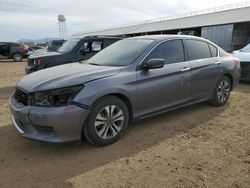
(64, 76)
(42, 54)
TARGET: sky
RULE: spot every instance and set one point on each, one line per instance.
(35, 19)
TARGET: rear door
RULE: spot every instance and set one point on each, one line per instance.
(161, 88)
(4, 51)
(206, 68)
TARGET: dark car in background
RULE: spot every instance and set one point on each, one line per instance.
(55, 44)
(132, 79)
(35, 48)
(244, 57)
(73, 50)
(13, 50)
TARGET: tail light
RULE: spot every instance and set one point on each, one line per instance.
(39, 62)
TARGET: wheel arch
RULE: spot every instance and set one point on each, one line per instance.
(125, 99)
(14, 53)
(230, 78)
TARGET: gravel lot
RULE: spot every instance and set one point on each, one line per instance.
(197, 146)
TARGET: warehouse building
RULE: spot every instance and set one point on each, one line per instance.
(228, 26)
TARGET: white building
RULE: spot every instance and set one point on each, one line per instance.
(228, 26)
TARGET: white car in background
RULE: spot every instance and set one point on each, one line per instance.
(244, 56)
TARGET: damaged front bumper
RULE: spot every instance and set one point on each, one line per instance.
(48, 124)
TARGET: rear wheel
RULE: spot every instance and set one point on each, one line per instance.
(221, 91)
(17, 57)
(107, 121)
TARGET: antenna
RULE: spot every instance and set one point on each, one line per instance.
(62, 26)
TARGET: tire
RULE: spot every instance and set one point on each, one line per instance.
(221, 92)
(17, 57)
(100, 128)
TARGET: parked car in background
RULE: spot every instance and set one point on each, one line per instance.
(55, 44)
(75, 49)
(34, 49)
(244, 57)
(13, 50)
(132, 79)
(52, 46)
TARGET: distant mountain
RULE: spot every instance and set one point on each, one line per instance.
(38, 40)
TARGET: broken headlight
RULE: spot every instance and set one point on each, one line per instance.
(55, 98)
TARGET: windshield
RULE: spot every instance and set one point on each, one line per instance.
(121, 53)
(68, 45)
(246, 49)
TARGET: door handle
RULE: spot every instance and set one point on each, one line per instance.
(217, 62)
(185, 69)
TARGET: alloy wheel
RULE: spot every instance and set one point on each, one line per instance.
(109, 121)
(223, 91)
(17, 57)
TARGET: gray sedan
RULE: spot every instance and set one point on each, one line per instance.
(132, 79)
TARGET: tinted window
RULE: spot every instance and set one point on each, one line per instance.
(68, 45)
(108, 42)
(85, 46)
(15, 45)
(171, 51)
(213, 50)
(57, 43)
(198, 49)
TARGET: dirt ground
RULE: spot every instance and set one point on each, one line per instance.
(197, 146)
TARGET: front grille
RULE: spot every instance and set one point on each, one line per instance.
(245, 70)
(21, 97)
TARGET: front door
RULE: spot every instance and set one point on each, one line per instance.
(165, 87)
(4, 51)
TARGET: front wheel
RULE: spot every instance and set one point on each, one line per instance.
(107, 121)
(221, 92)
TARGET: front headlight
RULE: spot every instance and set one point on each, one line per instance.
(55, 98)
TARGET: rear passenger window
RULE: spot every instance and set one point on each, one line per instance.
(171, 51)
(108, 42)
(198, 49)
(213, 50)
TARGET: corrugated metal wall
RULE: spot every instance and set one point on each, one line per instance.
(221, 35)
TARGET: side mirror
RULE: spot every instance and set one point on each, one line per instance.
(153, 64)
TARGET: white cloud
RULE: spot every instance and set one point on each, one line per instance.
(35, 19)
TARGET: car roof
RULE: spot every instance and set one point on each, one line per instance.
(99, 37)
(164, 37)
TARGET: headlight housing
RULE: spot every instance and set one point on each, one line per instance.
(55, 98)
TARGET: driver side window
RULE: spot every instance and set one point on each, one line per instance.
(171, 51)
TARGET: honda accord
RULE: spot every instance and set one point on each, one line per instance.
(132, 79)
